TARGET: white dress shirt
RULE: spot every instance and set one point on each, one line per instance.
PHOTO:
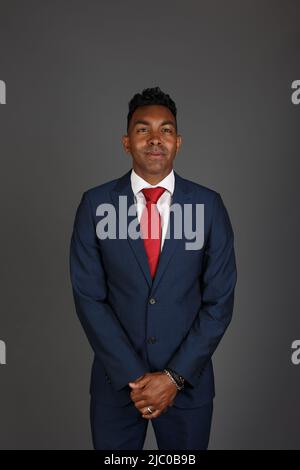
(164, 202)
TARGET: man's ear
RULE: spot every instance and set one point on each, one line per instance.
(125, 141)
(179, 142)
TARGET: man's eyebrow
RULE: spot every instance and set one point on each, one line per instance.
(142, 121)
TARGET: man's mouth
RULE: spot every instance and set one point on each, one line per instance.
(155, 153)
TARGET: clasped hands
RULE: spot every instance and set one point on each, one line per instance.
(154, 390)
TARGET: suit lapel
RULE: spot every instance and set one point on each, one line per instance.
(181, 195)
(123, 188)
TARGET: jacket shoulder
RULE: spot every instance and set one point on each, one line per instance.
(101, 190)
(204, 192)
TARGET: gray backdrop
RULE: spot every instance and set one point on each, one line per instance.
(70, 68)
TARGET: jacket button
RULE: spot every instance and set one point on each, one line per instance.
(151, 340)
(152, 301)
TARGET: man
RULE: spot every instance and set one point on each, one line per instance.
(154, 307)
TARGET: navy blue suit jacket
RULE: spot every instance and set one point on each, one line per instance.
(134, 324)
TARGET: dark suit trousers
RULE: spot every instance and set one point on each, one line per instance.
(123, 428)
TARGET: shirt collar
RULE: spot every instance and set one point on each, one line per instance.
(138, 183)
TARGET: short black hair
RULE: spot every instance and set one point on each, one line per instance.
(151, 96)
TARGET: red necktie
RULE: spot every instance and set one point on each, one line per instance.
(150, 219)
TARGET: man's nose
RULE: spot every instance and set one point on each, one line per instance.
(154, 138)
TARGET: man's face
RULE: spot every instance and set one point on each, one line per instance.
(152, 140)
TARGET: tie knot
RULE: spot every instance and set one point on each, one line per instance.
(153, 194)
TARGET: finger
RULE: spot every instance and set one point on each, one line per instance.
(137, 397)
(141, 405)
(140, 383)
(155, 414)
(137, 392)
(144, 409)
(137, 380)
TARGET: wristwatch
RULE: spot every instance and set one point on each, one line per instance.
(177, 379)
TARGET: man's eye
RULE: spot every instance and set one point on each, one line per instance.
(167, 129)
(142, 129)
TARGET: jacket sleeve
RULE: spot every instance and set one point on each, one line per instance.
(218, 282)
(105, 333)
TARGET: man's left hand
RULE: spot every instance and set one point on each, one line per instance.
(155, 390)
